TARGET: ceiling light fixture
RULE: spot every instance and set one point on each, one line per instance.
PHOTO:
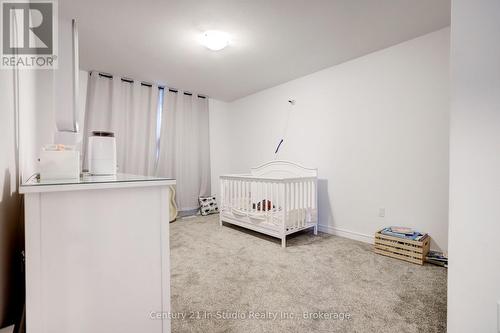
(215, 40)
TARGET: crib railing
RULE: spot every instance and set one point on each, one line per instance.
(288, 203)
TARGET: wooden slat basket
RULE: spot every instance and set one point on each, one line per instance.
(404, 249)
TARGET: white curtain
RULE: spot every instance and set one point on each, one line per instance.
(128, 109)
(184, 151)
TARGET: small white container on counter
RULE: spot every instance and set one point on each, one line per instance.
(59, 162)
(102, 153)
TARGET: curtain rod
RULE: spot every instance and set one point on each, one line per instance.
(145, 84)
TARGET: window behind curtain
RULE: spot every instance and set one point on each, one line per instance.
(159, 112)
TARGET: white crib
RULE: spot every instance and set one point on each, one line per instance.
(277, 198)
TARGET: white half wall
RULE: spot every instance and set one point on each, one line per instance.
(377, 129)
(474, 271)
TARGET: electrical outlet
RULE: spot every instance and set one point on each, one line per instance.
(381, 212)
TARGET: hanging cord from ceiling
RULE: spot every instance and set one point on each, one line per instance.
(291, 103)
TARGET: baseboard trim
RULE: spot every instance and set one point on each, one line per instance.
(346, 233)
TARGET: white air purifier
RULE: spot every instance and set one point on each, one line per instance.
(102, 153)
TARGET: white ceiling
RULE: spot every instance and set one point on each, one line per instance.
(273, 41)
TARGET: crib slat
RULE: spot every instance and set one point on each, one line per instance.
(309, 196)
(235, 197)
(263, 205)
(269, 187)
(297, 188)
(283, 203)
(311, 203)
(233, 188)
(292, 204)
(301, 201)
(306, 195)
(250, 195)
(236, 186)
(267, 198)
(311, 185)
(233, 193)
(299, 211)
(240, 193)
(271, 195)
(296, 203)
(304, 208)
(221, 187)
(249, 201)
(245, 195)
(315, 197)
(261, 194)
(226, 193)
(253, 190)
(301, 190)
(230, 185)
(254, 193)
(288, 204)
(306, 199)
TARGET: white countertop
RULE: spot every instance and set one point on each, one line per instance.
(88, 182)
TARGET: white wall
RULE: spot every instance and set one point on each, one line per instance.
(376, 128)
(474, 273)
(37, 119)
(36, 96)
(43, 98)
(33, 93)
(63, 78)
(83, 77)
(10, 229)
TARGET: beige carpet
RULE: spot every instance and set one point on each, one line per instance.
(224, 278)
